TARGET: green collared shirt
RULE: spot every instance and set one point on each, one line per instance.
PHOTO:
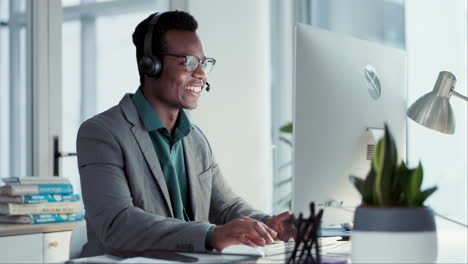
(170, 151)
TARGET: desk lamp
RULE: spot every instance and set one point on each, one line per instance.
(433, 110)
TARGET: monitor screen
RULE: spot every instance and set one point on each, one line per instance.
(343, 87)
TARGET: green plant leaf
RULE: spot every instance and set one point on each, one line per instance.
(288, 128)
(377, 158)
(384, 164)
(397, 186)
(358, 183)
(425, 194)
(413, 188)
(377, 161)
(389, 183)
(405, 181)
(368, 196)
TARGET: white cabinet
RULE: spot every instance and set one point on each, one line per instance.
(22, 249)
(56, 246)
(35, 248)
(44, 243)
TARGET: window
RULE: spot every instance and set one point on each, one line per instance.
(15, 103)
(99, 64)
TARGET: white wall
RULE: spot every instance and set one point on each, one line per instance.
(235, 114)
(437, 41)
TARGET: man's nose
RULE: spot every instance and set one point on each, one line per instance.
(199, 73)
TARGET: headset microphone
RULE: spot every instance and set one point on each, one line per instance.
(207, 87)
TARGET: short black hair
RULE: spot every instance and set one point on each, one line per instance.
(178, 20)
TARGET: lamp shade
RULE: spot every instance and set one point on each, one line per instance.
(433, 110)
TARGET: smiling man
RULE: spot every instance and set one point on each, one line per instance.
(148, 176)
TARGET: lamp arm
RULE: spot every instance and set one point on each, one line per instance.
(459, 95)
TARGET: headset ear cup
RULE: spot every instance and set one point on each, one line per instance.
(156, 66)
(146, 65)
(150, 66)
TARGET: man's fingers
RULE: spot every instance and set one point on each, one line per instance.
(272, 232)
(284, 215)
(246, 241)
(255, 238)
(264, 232)
(260, 238)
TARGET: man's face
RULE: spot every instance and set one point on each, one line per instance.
(176, 87)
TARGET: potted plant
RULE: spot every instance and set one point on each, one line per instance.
(392, 225)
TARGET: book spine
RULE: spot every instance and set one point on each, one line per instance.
(36, 180)
(55, 189)
(10, 180)
(40, 198)
(11, 199)
(39, 219)
(50, 198)
(40, 208)
(54, 218)
(16, 219)
(18, 189)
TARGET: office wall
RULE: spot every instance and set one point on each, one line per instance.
(437, 41)
(235, 115)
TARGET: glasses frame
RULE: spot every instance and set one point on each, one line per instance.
(186, 57)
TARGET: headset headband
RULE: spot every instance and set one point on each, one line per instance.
(149, 35)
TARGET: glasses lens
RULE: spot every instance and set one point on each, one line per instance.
(208, 64)
(192, 63)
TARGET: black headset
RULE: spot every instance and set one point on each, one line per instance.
(150, 64)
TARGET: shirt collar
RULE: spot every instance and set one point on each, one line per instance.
(151, 119)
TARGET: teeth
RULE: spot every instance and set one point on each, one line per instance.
(194, 88)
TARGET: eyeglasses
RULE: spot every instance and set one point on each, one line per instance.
(192, 62)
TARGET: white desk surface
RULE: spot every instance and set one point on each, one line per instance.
(338, 250)
(452, 249)
(202, 258)
(24, 229)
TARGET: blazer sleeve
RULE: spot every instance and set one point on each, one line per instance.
(119, 225)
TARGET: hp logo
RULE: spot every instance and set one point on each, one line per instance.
(373, 82)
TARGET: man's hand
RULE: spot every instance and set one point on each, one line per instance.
(243, 230)
(285, 231)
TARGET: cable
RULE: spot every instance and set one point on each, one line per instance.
(450, 220)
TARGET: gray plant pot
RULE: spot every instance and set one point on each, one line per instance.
(394, 235)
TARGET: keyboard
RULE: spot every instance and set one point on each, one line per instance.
(280, 247)
(277, 248)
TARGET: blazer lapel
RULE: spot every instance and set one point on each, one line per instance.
(191, 170)
(146, 146)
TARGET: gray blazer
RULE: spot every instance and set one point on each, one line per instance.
(126, 199)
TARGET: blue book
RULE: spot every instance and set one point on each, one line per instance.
(40, 198)
(40, 219)
(31, 189)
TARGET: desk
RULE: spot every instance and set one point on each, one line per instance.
(452, 249)
(337, 250)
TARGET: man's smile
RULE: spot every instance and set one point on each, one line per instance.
(193, 89)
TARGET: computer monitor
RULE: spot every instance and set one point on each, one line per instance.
(336, 101)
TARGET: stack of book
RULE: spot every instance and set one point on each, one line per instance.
(36, 200)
